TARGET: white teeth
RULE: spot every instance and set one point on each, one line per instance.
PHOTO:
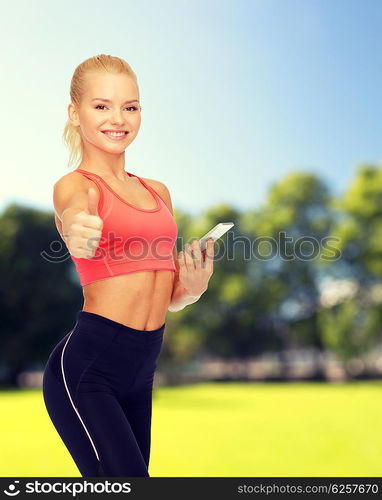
(115, 134)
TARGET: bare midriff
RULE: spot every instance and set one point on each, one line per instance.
(139, 300)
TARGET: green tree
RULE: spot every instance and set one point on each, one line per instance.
(359, 225)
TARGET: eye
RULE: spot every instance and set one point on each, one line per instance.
(134, 108)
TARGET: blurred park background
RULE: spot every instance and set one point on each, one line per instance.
(266, 114)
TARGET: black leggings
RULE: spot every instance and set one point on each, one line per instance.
(97, 388)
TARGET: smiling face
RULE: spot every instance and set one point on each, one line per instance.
(110, 103)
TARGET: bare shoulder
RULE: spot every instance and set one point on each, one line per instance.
(73, 182)
(162, 190)
(69, 188)
(157, 185)
(72, 178)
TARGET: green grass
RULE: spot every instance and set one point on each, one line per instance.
(234, 429)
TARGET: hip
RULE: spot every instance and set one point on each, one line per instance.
(100, 352)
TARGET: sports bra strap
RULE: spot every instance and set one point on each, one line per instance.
(85, 173)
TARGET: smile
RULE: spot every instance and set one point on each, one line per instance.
(115, 135)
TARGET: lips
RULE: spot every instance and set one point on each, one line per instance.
(115, 132)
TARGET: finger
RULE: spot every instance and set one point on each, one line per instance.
(93, 198)
(91, 221)
(189, 261)
(210, 250)
(85, 231)
(80, 245)
(181, 262)
(197, 254)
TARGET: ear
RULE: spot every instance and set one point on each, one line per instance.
(73, 115)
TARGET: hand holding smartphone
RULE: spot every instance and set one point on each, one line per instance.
(215, 233)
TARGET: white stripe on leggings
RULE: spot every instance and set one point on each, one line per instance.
(67, 390)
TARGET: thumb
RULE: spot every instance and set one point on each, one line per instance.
(93, 198)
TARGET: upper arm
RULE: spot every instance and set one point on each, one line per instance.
(164, 193)
(70, 191)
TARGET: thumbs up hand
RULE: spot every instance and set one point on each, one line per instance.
(85, 229)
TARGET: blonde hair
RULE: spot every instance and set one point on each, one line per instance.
(102, 62)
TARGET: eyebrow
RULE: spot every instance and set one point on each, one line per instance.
(108, 100)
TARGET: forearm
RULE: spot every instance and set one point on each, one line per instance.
(181, 298)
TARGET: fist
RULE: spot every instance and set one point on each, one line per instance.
(85, 229)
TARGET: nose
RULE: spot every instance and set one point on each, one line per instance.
(117, 118)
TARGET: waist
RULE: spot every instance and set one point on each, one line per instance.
(94, 319)
(136, 299)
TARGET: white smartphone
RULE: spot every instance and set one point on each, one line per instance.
(215, 233)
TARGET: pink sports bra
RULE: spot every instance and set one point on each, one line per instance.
(133, 239)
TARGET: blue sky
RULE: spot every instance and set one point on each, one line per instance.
(235, 94)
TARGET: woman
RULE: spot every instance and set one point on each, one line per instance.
(120, 231)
